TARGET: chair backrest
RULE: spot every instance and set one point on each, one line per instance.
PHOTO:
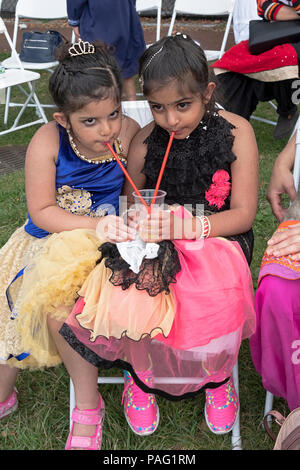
(205, 8)
(44, 9)
(145, 5)
(3, 30)
(39, 9)
(138, 110)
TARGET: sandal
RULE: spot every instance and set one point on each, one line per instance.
(9, 405)
(89, 417)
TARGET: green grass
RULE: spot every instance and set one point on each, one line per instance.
(43, 416)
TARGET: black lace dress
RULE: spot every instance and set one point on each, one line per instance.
(191, 166)
(208, 286)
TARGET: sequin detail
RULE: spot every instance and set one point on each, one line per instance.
(221, 408)
(141, 410)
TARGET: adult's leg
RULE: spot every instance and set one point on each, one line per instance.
(129, 88)
(275, 343)
(237, 93)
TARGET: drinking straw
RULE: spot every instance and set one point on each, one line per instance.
(128, 176)
(162, 168)
(159, 176)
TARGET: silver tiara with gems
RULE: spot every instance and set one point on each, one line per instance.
(81, 47)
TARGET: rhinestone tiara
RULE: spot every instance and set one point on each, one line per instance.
(81, 47)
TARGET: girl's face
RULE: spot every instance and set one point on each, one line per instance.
(93, 125)
(176, 110)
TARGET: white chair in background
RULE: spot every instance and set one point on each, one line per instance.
(206, 8)
(140, 111)
(147, 5)
(37, 10)
(18, 77)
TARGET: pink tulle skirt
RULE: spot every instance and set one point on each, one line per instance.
(191, 335)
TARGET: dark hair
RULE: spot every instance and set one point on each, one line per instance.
(80, 79)
(175, 58)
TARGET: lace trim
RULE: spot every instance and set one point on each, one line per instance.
(154, 276)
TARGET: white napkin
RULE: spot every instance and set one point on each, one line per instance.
(134, 251)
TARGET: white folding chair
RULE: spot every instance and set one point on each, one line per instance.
(140, 111)
(296, 174)
(33, 9)
(206, 8)
(146, 5)
(18, 77)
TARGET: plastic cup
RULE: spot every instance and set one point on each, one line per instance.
(147, 195)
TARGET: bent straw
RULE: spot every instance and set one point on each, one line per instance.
(159, 176)
(162, 168)
(128, 176)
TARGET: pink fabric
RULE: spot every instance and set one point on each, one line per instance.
(275, 346)
(213, 293)
(214, 311)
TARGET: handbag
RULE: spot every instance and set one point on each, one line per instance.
(288, 437)
(39, 47)
(264, 35)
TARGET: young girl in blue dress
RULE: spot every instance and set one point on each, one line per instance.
(73, 184)
(183, 315)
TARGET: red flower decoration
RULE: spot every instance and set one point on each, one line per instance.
(219, 189)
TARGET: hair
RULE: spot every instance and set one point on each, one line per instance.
(176, 58)
(80, 79)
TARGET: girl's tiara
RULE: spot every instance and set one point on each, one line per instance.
(80, 47)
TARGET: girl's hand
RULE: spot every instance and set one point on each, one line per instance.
(165, 225)
(286, 243)
(114, 230)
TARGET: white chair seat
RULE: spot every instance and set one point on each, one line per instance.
(211, 55)
(13, 77)
(11, 63)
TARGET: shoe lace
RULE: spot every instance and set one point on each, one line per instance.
(220, 395)
(139, 397)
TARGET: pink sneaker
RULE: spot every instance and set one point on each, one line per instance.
(140, 408)
(221, 408)
(9, 405)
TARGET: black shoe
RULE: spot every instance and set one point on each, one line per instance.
(285, 125)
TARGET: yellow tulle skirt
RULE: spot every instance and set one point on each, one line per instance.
(49, 286)
(17, 252)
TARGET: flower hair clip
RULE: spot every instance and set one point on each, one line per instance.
(81, 47)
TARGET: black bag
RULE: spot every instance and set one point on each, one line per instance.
(264, 35)
(39, 47)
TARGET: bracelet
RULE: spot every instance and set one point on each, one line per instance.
(205, 226)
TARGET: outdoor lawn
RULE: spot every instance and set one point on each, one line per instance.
(42, 420)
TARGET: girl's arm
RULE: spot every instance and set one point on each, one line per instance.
(244, 175)
(40, 174)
